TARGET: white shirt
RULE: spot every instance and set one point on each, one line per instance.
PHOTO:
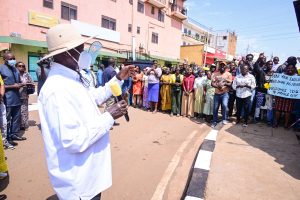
(275, 67)
(76, 135)
(240, 80)
(199, 82)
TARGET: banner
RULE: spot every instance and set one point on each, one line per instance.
(285, 86)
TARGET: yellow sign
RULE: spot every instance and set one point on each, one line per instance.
(43, 20)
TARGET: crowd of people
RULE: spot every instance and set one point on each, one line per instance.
(240, 88)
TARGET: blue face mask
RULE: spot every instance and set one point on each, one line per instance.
(11, 63)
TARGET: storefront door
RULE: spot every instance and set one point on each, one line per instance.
(32, 60)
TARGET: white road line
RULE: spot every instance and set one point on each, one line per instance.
(212, 135)
(192, 198)
(203, 160)
(161, 187)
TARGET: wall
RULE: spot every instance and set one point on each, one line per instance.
(193, 53)
(232, 41)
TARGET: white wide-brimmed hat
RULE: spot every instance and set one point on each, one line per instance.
(61, 38)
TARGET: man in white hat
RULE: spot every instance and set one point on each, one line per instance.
(76, 134)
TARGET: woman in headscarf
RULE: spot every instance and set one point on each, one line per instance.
(165, 91)
(25, 79)
(284, 105)
(199, 91)
(209, 92)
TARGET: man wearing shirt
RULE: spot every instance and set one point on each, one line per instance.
(221, 80)
(275, 64)
(243, 83)
(75, 132)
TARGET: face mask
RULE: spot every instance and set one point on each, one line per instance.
(84, 61)
(11, 63)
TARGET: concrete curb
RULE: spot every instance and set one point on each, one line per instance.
(197, 183)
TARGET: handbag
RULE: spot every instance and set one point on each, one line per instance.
(30, 89)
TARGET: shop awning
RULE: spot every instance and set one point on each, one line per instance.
(15, 40)
(112, 54)
(165, 59)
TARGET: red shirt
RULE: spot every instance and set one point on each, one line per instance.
(188, 82)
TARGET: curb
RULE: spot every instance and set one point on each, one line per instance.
(197, 183)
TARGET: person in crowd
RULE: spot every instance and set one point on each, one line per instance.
(243, 84)
(93, 76)
(249, 61)
(269, 98)
(75, 132)
(176, 92)
(100, 74)
(282, 104)
(12, 82)
(165, 91)
(3, 166)
(213, 68)
(296, 112)
(108, 73)
(199, 93)
(259, 75)
(290, 61)
(26, 80)
(209, 92)
(232, 92)
(154, 74)
(145, 89)
(188, 98)
(42, 72)
(221, 81)
(275, 64)
(126, 89)
(137, 88)
(3, 120)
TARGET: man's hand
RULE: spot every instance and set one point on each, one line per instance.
(126, 72)
(118, 110)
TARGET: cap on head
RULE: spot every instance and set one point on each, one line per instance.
(61, 38)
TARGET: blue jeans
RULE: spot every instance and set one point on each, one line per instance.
(220, 99)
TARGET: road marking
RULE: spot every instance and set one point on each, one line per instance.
(161, 187)
(203, 160)
(192, 198)
(212, 135)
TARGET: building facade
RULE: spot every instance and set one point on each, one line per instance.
(150, 28)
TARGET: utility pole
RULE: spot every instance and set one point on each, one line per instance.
(132, 32)
(205, 47)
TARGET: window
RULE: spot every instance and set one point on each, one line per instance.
(152, 10)
(224, 37)
(68, 11)
(108, 23)
(184, 43)
(197, 36)
(140, 7)
(185, 30)
(161, 16)
(130, 1)
(48, 3)
(189, 32)
(129, 28)
(154, 38)
(138, 30)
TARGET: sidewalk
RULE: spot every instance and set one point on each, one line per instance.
(254, 164)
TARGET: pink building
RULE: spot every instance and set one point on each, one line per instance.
(152, 28)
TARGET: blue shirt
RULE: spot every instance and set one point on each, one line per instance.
(99, 77)
(11, 76)
(108, 73)
(126, 85)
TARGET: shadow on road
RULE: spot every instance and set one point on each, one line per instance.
(4, 183)
(282, 145)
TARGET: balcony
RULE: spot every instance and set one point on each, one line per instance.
(179, 12)
(157, 3)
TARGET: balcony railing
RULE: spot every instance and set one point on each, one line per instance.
(157, 3)
(178, 9)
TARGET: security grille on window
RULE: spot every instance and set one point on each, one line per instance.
(108, 23)
(68, 11)
(138, 30)
(140, 7)
(152, 10)
(161, 16)
(129, 28)
(48, 3)
(155, 38)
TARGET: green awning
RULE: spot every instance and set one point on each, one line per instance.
(165, 59)
(112, 54)
(15, 40)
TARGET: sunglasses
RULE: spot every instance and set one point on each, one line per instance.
(21, 65)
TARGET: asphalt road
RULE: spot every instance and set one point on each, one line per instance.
(151, 158)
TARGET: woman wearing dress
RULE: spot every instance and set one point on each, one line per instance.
(25, 79)
(199, 91)
(145, 90)
(137, 88)
(154, 74)
(209, 92)
(165, 92)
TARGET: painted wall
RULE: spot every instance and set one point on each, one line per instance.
(192, 53)
(169, 31)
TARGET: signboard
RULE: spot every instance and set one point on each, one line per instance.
(43, 20)
(285, 86)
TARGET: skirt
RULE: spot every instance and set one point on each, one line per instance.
(145, 98)
(283, 104)
(153, 92)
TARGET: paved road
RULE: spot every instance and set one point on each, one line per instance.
(151, 158)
